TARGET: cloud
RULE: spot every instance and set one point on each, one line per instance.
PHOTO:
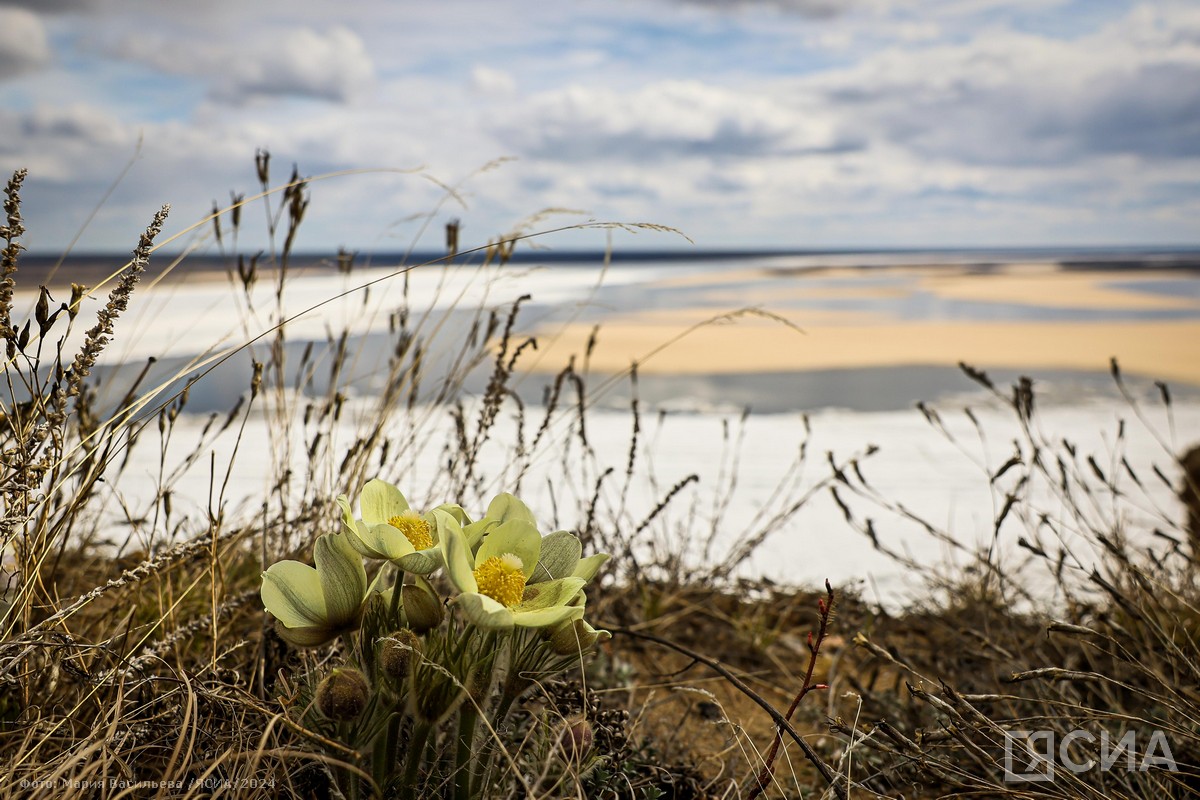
(930, 122)
(23, 44)
(492, 82)
(808, 8)
(51, 6)
(667, 120)
(300, 62)
(1020, 100)
(1153, 112)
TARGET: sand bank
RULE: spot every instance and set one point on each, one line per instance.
(676, 341)
(1054, 288)
(1162, 350)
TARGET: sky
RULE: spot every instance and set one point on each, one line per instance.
(742, 123)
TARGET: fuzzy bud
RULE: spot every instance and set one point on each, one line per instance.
(576, 738)
(396, 654)
(422, 608)
(343, 695)
(478, 681)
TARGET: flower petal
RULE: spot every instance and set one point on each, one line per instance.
(549, 593)
(361, 539)
(308, 636)
(381, 501)
(505, 507)
(348, 520)
(422, 562)
(475, 532)
(343, 578)
(388, 541)
(560, 553)
(292, 592)
(515, 536)
(587, 568)
(545, 617)
(456, 511)
(484, 612)
(456, 553)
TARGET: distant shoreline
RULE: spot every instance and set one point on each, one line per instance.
(91, 268)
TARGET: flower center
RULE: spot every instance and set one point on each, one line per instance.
(415, 529)
(502, 579)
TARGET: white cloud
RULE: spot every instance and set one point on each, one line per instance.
(492, 82)
(1014, 99)
(299, 62)
(927, 125)
(23, 45)
(51, 6)
(814, 8)
(666, 120)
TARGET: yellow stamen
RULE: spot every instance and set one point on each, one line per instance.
(502, 579)
(415, 529)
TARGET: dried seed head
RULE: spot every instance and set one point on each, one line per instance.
(262, 165)
(78, 291)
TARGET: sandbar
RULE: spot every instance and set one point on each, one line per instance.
(686, 341)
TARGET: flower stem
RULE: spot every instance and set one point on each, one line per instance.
(412, 767)
(397, 588)
(353, 788)
(468, 718)
(508, 695)
(383, 756)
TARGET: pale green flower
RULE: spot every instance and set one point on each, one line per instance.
(494, 581)
(391, 531)
(560, 551)
(315, 605)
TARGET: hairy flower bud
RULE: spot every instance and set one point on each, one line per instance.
(396, 654)
(576, 738)
(343, 694)
(477, 683)
(422, 607)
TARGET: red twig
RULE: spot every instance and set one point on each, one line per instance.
(767, 773)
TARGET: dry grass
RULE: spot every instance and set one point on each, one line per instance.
(148, 668)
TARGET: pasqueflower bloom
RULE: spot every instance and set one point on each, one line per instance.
(315, 605)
